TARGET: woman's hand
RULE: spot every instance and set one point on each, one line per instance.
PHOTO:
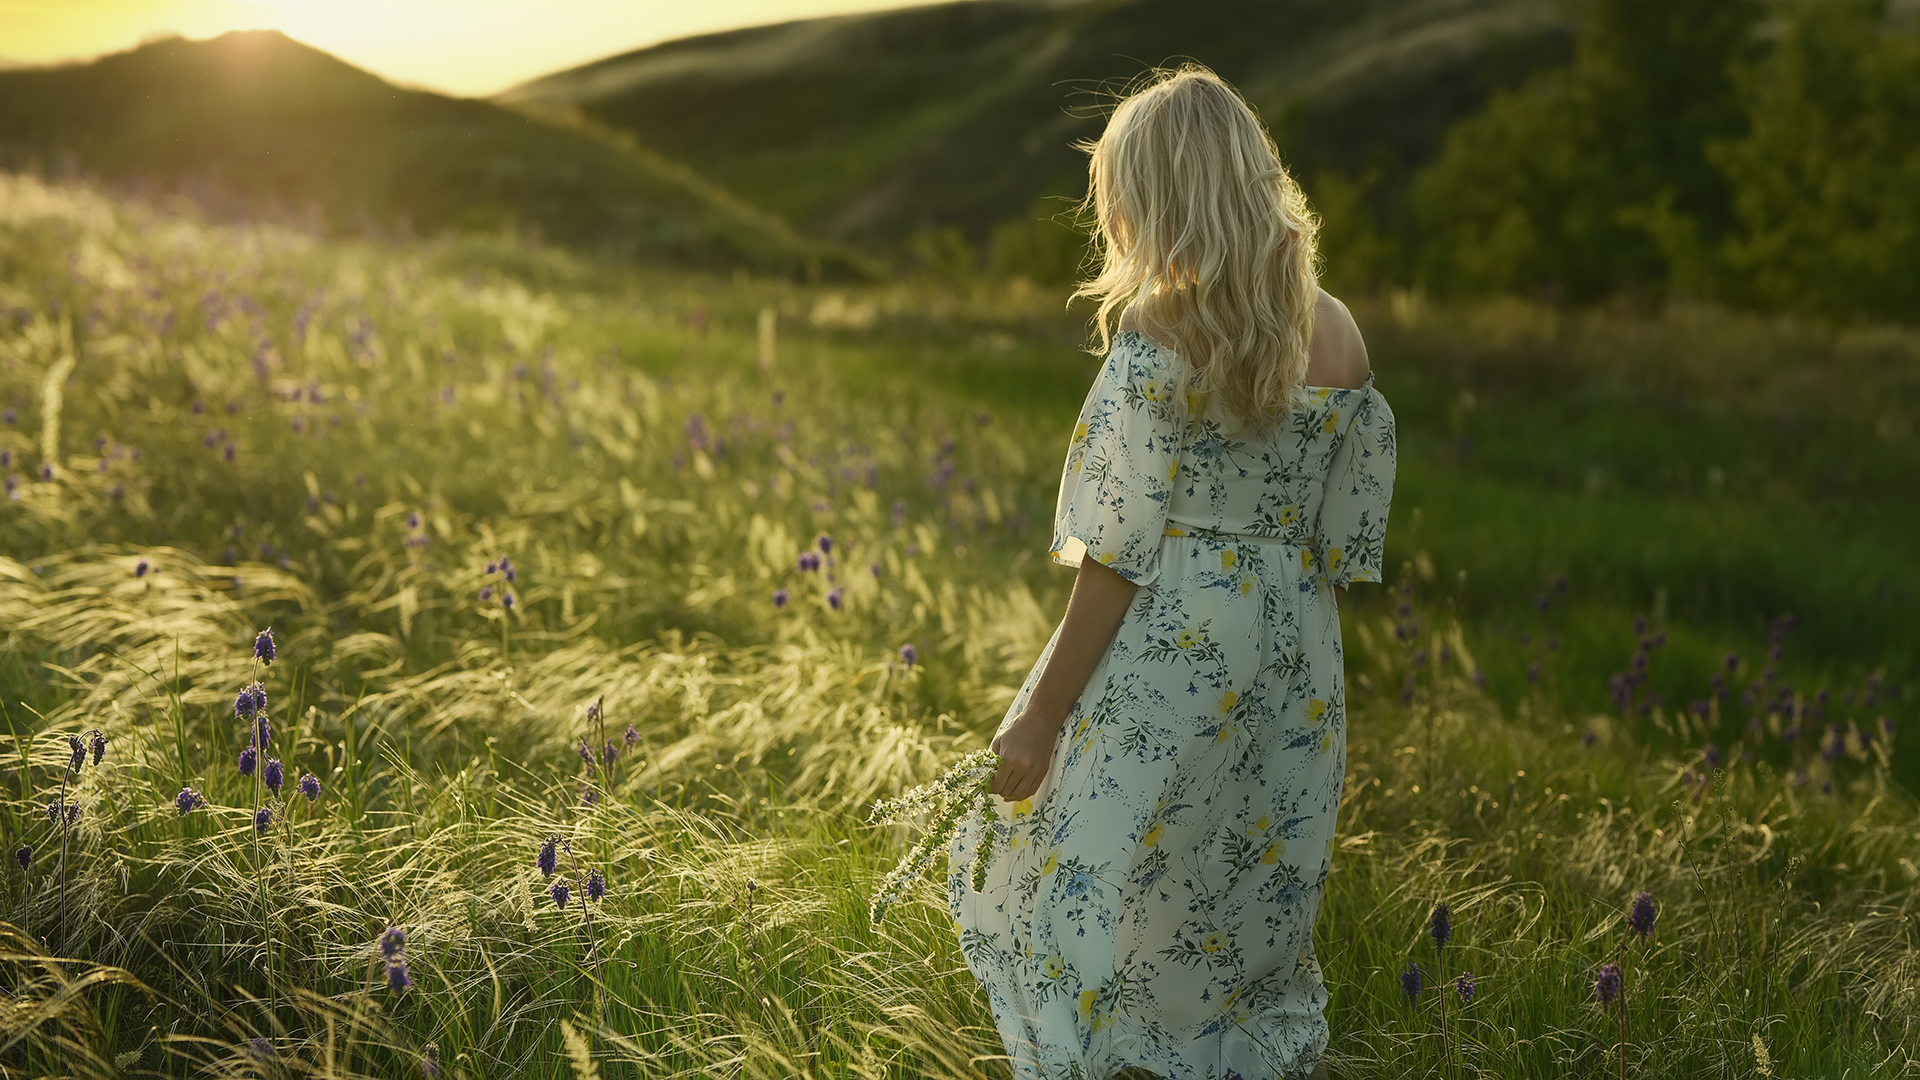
(1026, 751)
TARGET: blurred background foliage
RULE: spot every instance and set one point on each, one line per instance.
(1760, 154)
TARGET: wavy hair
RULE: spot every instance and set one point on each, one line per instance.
(1198, 225)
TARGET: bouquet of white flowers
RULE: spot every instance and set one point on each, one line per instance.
(950, 796)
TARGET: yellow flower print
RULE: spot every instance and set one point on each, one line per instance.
(1273, 853)
(1334, 555)
(1331, 423)
(1152, 839)
(1226, 732)
(1196, 403)
(1186, 639)
(1246, 586)
(1173, 470)
(1106, 558)
(1228, 700)
(1023, 807)
(1174, 530)
(1316, 711)
(1325, 741)
(1289, 514)
(1054, 967)
(1053, 860)
(1079, 433)
(1306, 560)
(1228, 558)
(1086, 1001)
(1322, 393)
(1215, 942)
(1261, 824)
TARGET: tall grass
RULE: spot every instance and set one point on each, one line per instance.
(400, 418)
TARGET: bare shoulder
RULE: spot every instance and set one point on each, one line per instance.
(1337, 355)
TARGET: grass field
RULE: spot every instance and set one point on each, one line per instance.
(342, 441)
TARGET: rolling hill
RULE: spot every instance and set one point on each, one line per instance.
(870, 129)
(257, 123)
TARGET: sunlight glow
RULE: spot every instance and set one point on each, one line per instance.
(471, 47)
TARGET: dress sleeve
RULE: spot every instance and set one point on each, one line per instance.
(1121, 466)
(1353, 514)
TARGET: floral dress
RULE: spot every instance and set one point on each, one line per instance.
(1152, 904)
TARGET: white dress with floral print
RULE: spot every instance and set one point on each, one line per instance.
(1153, 904)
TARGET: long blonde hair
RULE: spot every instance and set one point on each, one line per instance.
(1198, 224)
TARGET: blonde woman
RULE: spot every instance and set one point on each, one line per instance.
(1171, 770)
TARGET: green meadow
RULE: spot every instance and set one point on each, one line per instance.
(370, 447)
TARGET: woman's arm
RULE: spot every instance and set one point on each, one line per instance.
(1100, 599)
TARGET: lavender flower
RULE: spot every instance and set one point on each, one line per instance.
(397, 978)
(593, 711)
(560, 893)
(187, 801)
(1642, 913)
(99, 747)
(262, 818)
(243, 706)
(588, 796)
(392, 941)
(1607, 986)
(247, 757)
(833, 599)
(79, 750)
(1732, 660)
(632, 736)
(909, 655)
(596, 885)
(430, 1062)
(1411, 981)
(274, 774)
(486, 593)
(584, 751)
(1463, 985)
(1711, 754)
(1440, 925)
(140, 568)
(549, 852)
(826, 544)
(779, 598)
(506, 600)
(259, 1049)
(24, 856)
(310, 786)
(262, 731)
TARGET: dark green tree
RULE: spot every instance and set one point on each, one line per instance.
(1567, 185)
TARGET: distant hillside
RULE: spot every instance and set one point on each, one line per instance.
(258, 121)
(869, 129)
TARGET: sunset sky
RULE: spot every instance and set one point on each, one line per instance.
(472, 47)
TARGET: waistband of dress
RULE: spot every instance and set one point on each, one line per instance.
(1181, 528)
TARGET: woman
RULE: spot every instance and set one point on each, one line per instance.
(1172, 767)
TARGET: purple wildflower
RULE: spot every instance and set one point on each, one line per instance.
(560, 893)
(262, 818)
(779, 598)
(248, 756)
(24, 856)
(486, 593)
(585, 752)
(1711, 754)
(1463, 985)
(397, 978)
(99, 747)
(632, 736)
(263, 649)
(1589, 738)
(588, 796)
(1642, 913)
(413, 520)
(187, 801)
(909, 655)
(593, 711)
(1607, 986)
(833, 599)
(79, 750)
(596, 885)
(826, 544)
(274, 774)
(1835, 746)
(140, 568)
(430, 1062)
(1732, 660)
(549, 852)
(243, 706)
(259, 1049)
(1440, 925)
(875, 571)
(262, 731)
(1411, 981)
(310, 786)
(506, 600)
(392, 941)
